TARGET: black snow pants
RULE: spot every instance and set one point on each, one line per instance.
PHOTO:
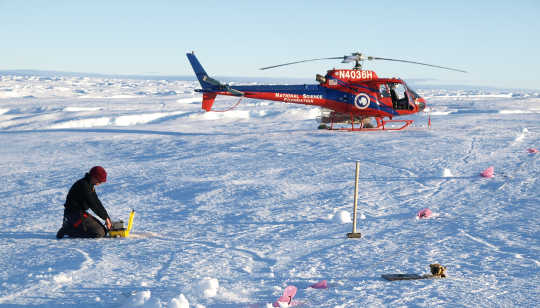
(86, 227)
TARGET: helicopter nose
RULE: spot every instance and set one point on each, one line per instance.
(421, 104)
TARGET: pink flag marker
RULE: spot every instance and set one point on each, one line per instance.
(320, 285)
(532, 150)
(488, 173)
(286, 298)
(425, 213)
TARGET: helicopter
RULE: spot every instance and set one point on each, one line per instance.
(351, 96)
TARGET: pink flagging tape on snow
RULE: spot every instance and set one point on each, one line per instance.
(488, 173)
(532, 150)
(320, 285)
(425, 213)
(286, 298)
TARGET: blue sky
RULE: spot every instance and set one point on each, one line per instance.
(497, 42)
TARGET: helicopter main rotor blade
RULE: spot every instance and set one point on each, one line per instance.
(358, 57)
(332, 58)
(420, 63)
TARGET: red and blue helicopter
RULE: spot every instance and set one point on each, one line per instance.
(346, 95)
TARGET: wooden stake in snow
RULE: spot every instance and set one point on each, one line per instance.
(353, 234)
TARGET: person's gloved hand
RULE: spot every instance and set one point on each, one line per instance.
(108, 223)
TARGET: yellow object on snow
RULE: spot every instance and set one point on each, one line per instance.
(123, 232)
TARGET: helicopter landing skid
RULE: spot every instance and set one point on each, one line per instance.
(381, 125)
(406, 123)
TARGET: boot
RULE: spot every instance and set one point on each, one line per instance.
(60, 234)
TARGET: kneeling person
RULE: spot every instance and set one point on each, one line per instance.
(81, 197)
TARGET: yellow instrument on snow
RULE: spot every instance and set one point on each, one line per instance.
(118, 229)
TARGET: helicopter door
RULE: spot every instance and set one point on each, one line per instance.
(400, 99)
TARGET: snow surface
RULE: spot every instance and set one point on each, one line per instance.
(233, 207)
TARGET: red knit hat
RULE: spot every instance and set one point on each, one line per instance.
(99, 173)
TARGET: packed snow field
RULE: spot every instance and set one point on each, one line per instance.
(233, 207)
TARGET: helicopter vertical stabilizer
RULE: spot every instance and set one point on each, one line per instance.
(202, 76)
(199, 70)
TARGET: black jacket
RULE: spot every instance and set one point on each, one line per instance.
(81, 197)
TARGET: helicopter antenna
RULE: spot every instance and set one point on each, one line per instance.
(358, 58)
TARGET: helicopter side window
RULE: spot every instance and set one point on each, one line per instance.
(383, 89)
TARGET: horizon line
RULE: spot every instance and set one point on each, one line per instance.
(421, 82)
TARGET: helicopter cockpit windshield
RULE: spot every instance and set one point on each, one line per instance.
(413, 93)
(416, 99)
